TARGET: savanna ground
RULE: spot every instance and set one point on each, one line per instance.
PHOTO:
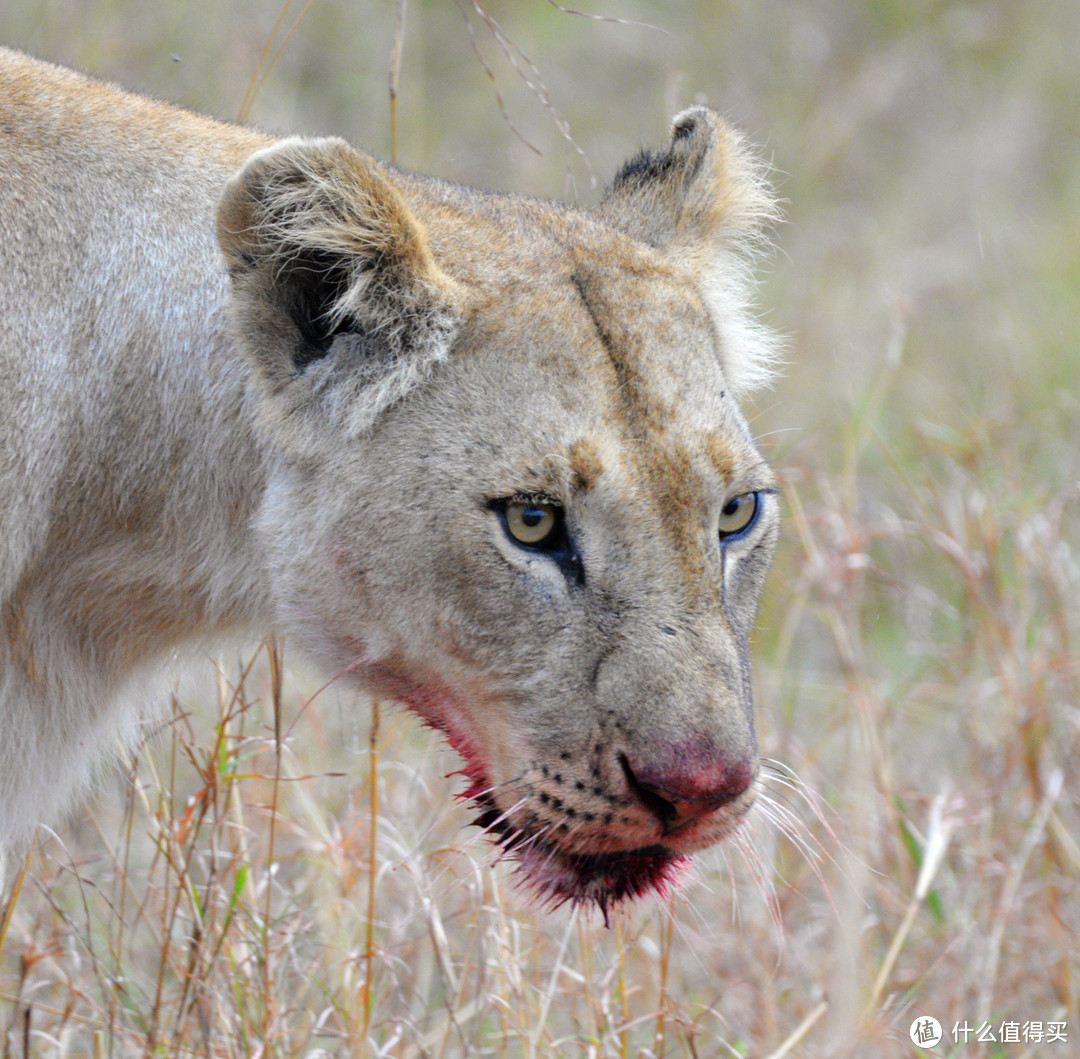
(279, 876)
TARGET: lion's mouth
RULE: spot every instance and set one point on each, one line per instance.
(559, 876)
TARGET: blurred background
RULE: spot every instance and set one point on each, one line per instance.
(918, 645)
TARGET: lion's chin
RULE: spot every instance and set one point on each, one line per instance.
(556, 875)
(602, 880)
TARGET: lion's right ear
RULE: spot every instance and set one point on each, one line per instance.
(704, 202)
(333, 277)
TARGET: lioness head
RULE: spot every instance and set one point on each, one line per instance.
(512, 487)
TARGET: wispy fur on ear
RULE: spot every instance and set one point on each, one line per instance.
(705, 201)
(315, 235)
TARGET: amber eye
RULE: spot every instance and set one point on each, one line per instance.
(532, 523)
(738, 515)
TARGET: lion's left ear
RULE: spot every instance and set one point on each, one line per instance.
(329, 264)
(704, 202)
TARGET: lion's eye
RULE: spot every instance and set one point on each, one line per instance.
(532, 523)
(738, 515)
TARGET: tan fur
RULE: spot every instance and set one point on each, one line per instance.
(253, 385)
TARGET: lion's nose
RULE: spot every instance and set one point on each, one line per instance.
(680, 793)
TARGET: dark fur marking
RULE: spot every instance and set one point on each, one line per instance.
(627, 381)
(649, 166)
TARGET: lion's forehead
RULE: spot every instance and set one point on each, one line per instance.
(615, 367)
(627, 326)
(674, 466)
(640, 362)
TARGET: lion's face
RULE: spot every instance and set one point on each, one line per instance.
(548, 539)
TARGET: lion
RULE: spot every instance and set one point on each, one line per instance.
(474, 452)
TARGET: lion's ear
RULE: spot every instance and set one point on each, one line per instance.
(328, 263)
(704, 201)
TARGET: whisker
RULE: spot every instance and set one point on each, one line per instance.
(759, 866)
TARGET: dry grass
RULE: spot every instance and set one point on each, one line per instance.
(918, 650)
(222, 907)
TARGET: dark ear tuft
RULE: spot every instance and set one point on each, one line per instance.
(702, 187)
(684, 125)
(677, 165)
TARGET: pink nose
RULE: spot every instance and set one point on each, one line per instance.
(685, 789)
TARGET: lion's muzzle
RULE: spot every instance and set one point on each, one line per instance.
(682, 791)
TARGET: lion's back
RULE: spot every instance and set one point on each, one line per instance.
(109, 270)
